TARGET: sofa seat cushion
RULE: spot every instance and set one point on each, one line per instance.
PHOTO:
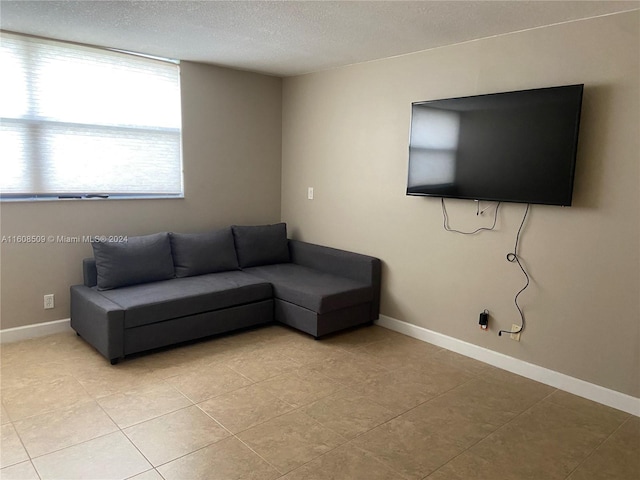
(180, 297)
(312, 289)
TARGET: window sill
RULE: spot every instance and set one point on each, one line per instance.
(91, 198)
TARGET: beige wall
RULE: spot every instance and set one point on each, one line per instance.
(345, 133)
(231, 158)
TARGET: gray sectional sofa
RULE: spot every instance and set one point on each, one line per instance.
(162, 289)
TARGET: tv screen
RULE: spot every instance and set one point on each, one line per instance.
(510, 147)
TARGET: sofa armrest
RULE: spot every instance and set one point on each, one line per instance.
(98, 320)
(89, 272)
(355, 266)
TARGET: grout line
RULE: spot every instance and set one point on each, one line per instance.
(155, 467)
(192, 452)
(597, 447)
(75, 444)
(139, 451)
(350, 440)
(500, 427)
(35, 469)
(293, 409)
(146, 471)
(260, 456)
(29, 457)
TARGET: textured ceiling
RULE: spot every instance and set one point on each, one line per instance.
(287, 37)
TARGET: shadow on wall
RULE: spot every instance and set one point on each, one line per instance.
(596, 121)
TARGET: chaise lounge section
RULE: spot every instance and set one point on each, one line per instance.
(323, 290)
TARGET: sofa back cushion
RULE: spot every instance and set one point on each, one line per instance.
(140, 259)
(201, 253)
(261, 244)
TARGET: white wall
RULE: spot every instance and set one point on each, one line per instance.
(345, 133)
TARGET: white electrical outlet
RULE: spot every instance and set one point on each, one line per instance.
(49, 301)
(515, 336)
(310, 193)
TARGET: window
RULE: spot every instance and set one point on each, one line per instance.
(433, 146)
(77, 121)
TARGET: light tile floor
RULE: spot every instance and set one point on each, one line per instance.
(274, 403)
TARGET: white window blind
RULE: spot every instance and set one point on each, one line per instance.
(78, 121)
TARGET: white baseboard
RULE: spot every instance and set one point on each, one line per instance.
(599, 394)
(16, 334)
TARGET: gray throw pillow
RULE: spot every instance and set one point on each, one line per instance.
(200, 253)
(138, 260)
(261, 244)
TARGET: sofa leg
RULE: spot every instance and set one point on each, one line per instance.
(114, 361)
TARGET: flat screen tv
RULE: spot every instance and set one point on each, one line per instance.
(509, 147)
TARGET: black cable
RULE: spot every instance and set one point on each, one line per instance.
(445, 220)
(513, 257)
(478, 211)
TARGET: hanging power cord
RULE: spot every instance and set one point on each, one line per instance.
(481, 212)
(445, 219)
(513, 257)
